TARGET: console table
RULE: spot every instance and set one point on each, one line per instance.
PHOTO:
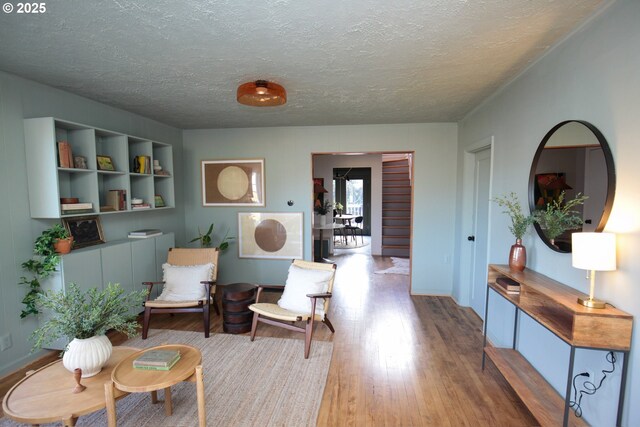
(554, 306)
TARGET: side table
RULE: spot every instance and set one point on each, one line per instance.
(46, 395)
(236, 299)
(125, 378)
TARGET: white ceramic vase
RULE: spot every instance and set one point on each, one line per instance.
(323, 220)
(89, 354)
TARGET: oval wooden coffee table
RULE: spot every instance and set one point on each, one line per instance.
(46, 395)
(125, 378)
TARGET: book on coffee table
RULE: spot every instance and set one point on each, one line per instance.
(157, 359)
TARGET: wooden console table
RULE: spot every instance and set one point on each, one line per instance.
(554, 306)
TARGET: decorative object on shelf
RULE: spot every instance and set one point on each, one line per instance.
(270, 235)
(156, 166)
(80, 162)
(261, 93)
(519, 225)
(84, 318)
(206, 239)
(41, 266)
(593, 252)
(65, 155)
(85, 230)
(233, 182)
(158, 201)
(559, 215)
(105, 163)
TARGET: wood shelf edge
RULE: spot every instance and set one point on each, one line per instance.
(544, 403)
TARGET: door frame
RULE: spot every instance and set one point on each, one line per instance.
(463, 296)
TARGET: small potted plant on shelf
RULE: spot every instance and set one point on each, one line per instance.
(519, 225)
(84, 318)
(559, 215)
(206, 239)
(57, 237)
(322, 209)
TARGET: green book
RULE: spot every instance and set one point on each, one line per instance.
(157, 358)
(156, 367)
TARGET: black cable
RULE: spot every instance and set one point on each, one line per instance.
(589, 388)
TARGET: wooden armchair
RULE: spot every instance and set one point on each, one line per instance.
(189, 278)
(306, 283)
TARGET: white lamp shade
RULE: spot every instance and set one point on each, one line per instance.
(593, 251)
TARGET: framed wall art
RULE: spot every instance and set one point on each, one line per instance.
(105, 163)
(86, 230)
(233, 182)
(270, 235)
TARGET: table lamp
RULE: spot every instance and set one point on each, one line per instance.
(593, 252)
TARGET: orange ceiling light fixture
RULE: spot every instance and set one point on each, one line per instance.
(261, 93)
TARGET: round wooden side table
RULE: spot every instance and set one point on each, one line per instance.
(236, 299)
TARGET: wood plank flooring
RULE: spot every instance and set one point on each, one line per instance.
(397, 360)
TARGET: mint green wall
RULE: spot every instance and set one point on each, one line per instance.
(288, 159)
(594, 76)
(20, 99)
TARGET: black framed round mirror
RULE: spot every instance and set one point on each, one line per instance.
(573, 158)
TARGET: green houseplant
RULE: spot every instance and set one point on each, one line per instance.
(322, 209)
(519, 225)
(206, 239)
(84, 318)
(559, 215)
(41, 265)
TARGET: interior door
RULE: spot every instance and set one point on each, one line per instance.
(482, 179)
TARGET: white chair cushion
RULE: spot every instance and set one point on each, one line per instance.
(183, 282)
(300, 282)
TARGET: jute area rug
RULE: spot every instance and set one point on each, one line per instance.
(262, 383)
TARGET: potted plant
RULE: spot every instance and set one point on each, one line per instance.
(206, 239)
(44, 263)
(559, 215)
(84, 318)
(322, 209)
(339, 208)
(519, 225)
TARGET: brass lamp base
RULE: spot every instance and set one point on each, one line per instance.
(592, 303)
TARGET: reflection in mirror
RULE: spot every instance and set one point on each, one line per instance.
(573, 157)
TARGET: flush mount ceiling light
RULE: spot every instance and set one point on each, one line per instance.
(261, 93)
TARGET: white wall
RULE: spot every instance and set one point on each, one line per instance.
(593, 76)
(288, 163)
(323, 166)
(20, 99)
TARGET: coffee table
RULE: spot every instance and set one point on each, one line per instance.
(126, 379)
(46, 395)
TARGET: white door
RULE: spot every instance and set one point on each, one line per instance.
(482, 177)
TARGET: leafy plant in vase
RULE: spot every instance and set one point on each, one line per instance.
(519, 225)
(206, 239)
(322, 209)
(84, 318)
(47, 248)
(559, 216)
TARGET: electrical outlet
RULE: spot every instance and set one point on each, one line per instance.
(5, 342)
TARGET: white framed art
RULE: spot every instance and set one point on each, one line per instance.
(270, 235)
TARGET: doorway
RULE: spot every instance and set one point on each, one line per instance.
(352, 189)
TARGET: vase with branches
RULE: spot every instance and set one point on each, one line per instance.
(559, 215)
(519, 225)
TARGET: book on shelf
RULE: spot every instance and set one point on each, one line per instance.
(76, 211)
(76, 206)
(142, 164)
(117, 199)
(145, 237)
(65, 154)
(157, 359)
(144, 232)
(509, 285)
(141, 206)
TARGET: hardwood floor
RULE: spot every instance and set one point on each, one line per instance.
(397, 360)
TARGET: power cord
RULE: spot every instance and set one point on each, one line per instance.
(589, 388)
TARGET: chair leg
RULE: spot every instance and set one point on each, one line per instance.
(254, 326)
(206, 313)
(215, 305)
(145, 322)
(329, 325)
(308, 332)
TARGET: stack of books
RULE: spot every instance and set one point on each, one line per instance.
(157, 360)
(143, 234)
(140, 206)
(510, 286)
(76, 208)
(142, 164)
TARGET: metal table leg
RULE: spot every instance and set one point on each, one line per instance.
(567, 396)
(486, 318)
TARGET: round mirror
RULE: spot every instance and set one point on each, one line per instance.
(573, 158)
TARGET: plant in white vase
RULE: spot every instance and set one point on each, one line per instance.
(84, 318)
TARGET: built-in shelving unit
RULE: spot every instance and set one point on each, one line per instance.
(49, 182)
(554, 306)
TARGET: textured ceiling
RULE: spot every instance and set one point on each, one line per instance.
(341, 61)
